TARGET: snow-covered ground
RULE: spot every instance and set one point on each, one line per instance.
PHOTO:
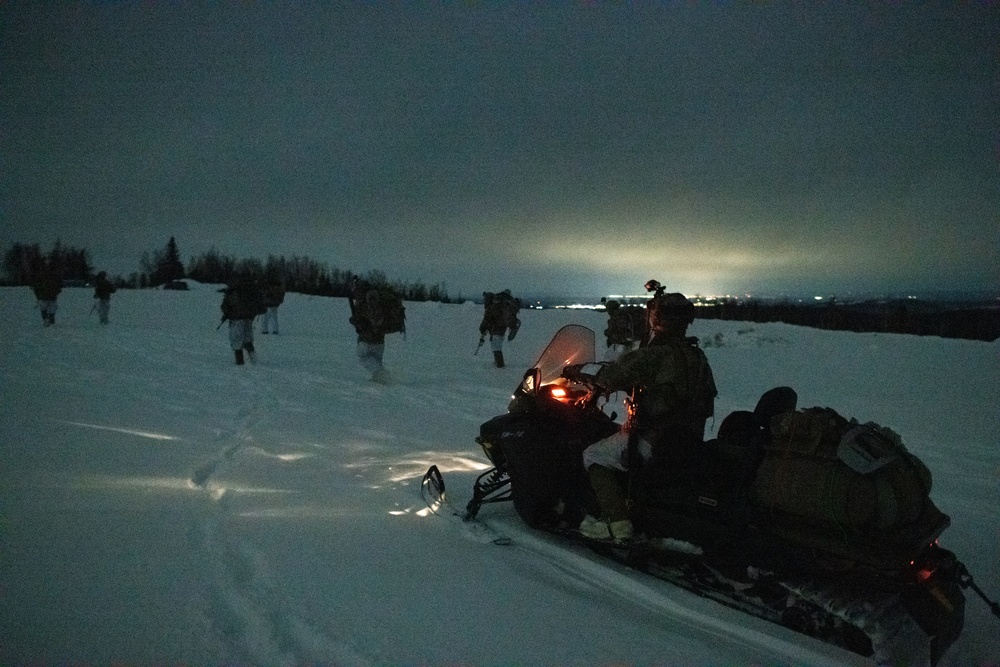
(159, 504)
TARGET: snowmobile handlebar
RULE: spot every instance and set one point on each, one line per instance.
(577, 396)
(582, 373)
(574, 388)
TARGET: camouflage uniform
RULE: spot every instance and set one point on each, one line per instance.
(240, 305)
(103, 289)
(367, 320)
(46, 288)
(677, 388)
(676, 397)
(274, 295)
(496, 322)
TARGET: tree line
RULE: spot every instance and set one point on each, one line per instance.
(23, 263)
(970, 321)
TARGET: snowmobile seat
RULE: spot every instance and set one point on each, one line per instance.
(738, 439)
(774, 402)
(738, 428)
(739, 448)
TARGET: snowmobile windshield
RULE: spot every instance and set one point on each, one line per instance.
(573, 344)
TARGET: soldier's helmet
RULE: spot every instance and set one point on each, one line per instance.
(670, 309)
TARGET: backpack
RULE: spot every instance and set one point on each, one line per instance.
(500, 314)
(274, 294)
(232, 305)
(243, 301)
(821, 466)
(258, 302)
(392, 311)
(509, 308)
(103, 288)
(626, 324)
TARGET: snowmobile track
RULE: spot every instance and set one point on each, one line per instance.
(626, 577)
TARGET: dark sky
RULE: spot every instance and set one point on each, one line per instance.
(570, 148)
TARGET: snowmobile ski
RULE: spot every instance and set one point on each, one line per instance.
(434, 494)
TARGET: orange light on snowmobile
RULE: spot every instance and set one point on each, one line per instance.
(560, 393)
(924, 572)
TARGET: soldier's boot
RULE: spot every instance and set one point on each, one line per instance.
(251, 352)
(622, 531)
(239, 357)
(498, 359)
(614, 522)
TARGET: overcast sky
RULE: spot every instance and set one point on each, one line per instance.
(550, 148)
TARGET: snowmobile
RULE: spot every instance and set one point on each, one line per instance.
(894, 595)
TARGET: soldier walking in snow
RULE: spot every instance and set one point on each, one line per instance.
(240, 305)
(368, 321)
(274, 295)
(46, 286)
(103, 289)
(499, 315)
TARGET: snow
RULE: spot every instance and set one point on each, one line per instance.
(159, 504)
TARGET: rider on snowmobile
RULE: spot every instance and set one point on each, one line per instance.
(675, 397)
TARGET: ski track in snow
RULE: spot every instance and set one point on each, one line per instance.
(243, 606)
